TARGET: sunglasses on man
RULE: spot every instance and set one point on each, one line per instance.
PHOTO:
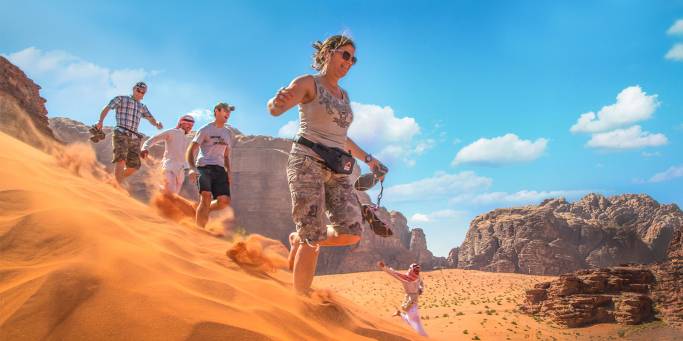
(346, 55)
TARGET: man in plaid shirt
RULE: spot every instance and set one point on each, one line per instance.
(126, 141)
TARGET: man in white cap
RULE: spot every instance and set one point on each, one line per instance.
(173, 163)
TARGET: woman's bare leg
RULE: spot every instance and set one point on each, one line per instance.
(305, 262)
(294, 242)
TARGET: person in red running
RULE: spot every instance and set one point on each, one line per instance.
(412, 284)
(173, 163)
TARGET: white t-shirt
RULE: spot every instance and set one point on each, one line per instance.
(176, 145)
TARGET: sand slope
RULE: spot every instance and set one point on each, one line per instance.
(79, 259)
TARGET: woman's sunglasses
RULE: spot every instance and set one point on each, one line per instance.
(347, 56)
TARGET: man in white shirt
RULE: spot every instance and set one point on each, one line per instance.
(173, 163)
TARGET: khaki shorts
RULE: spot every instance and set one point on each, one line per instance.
(127, 148)
(316, 189)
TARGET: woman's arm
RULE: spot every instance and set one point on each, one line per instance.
(301, 90)
(357, 152)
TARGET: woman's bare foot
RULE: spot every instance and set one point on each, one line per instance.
(294, 243)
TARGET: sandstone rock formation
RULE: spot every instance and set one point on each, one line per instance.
(591, 296)
(625, 294)
(23, 110)
(628, 294)
(556, 236)
(262, 203)
(668, 293)
(676, 246)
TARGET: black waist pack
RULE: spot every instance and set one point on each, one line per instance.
(337, 160)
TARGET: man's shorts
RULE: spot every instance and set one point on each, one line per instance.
(316, 189)
(127, 148)
(214, 179)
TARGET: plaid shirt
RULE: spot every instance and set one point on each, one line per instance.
(129, 111)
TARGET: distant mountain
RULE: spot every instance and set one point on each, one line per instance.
(556, 236)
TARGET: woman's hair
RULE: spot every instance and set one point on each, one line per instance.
(322, 48)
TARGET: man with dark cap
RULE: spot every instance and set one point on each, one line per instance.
(213, 164)
(126, 141)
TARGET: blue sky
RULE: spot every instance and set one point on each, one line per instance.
(474, 105)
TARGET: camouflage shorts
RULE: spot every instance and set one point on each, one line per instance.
(126, 148)
(314, 189)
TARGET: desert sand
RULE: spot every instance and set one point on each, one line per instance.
(81, 260)
(475, 305)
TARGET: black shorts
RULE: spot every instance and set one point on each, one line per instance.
(213, 179)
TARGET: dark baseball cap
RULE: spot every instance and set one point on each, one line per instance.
(223, 105)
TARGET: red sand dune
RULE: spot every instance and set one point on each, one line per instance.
(81, 260)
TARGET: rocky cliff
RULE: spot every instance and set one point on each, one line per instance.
(628, 294)
(676, 246)
(24, 115)
(262, 204)
(556, 236)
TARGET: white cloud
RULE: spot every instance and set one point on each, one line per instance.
(419, 218)
(632, 105)
(201, 115)
(520, 197)
(423, 146)
(653, 154)
(79, 89)
(630, 138)
(76, 76)
(379, 130)
(501, 150)
(676, 28)
(676, 53)
(374, 124)
(440, 185)
(437, 216)
(671, 173)
(288, 130)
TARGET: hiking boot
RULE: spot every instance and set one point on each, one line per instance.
(377, 224)
(97, 134)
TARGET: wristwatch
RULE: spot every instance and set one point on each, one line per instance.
(368, 158)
